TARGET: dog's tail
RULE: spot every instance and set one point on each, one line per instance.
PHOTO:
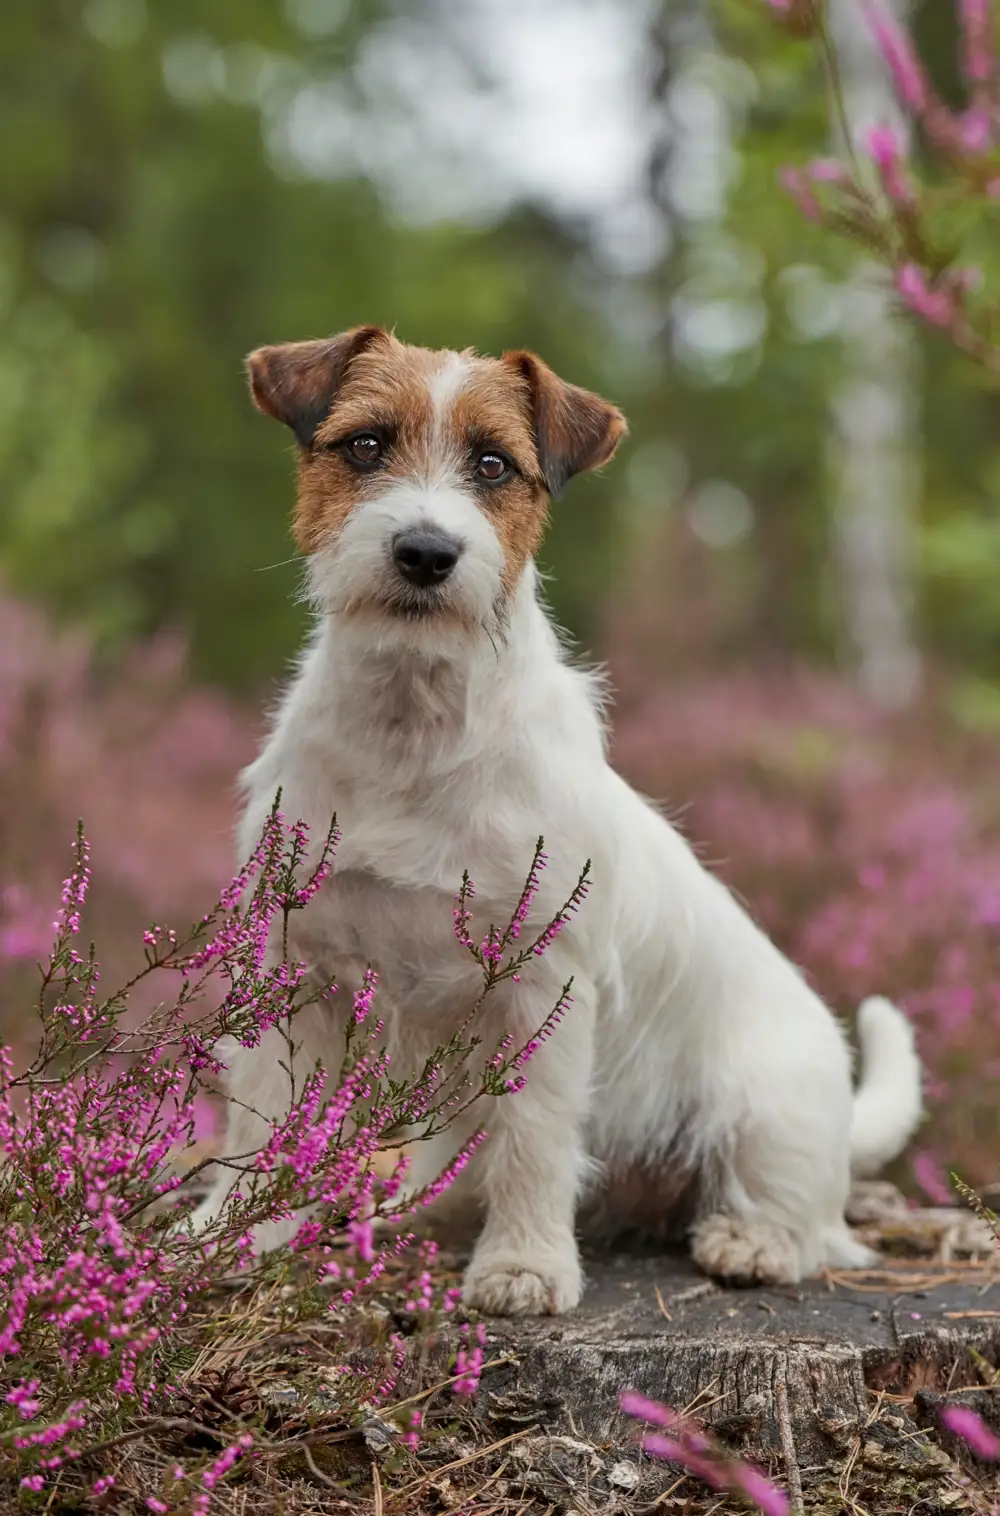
(887, 1102)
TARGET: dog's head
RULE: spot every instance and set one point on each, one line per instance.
(425, 477)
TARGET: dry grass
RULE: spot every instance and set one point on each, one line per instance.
(247, 1368)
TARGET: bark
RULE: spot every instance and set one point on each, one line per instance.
(787, 1375)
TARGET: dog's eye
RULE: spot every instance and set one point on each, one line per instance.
(364, 450)
(492, 467)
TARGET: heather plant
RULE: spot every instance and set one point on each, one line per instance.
(921, 196)
(102, 1272)
(917, 909)
(680, 1440)
(149, 759)
(972, 1430)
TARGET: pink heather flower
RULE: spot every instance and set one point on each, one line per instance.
(634, 1404)
(412, 1436)
(102, 1484)
(973, 1430)
(977, 37)
(92, 1153)
(795, 183)
(388, 1384)
(423, 1296)
(825, 171)
(936, 306)
(33, 1482)
(688, 1451)
(361, 1236)
(225, 1461)
(927, 1173)
(25, 1399)
(887, 151)
(760, 1491)
(528, 895)
(693, 1451)
(365, 997)
(668, 1448)
(449, 1175)
(897, 49)
(203, 1119)
(976, 131)
(469, 1362)
(491, 947)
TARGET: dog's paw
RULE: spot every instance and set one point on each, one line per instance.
(842, 1250)
(522, 1284)
(745, 1251)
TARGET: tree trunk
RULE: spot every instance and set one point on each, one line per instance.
(875, 441)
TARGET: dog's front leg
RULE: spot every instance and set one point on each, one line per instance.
(526, 1261)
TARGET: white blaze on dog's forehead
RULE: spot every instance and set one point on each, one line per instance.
(444, 385)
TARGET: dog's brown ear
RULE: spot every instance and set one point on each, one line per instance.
(574, 430)
(295, 382)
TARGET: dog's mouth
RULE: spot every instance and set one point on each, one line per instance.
(402, 603)
(411, 604)
(388, 598)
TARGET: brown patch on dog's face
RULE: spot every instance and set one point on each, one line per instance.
(295, 382)
(491, 417)
(385, 395)
(436, 414)
(371, 413)
(574, 430)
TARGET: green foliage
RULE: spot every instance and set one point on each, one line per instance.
(149, 238)
(767, 425)
(153, 228)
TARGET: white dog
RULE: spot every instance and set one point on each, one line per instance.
(436, 713)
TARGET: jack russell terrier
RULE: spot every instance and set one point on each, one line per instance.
(436, 712)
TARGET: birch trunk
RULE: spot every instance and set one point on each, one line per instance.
(875, 437)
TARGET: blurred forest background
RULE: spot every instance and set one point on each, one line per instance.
(791, 567)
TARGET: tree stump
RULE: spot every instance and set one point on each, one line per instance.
(787, 1376)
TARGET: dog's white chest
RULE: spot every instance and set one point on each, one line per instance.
(359, 919)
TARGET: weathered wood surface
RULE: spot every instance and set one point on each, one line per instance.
(785, 1374)
(834, 1386)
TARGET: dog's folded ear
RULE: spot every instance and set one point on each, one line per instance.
(574, 430)
(295, 382)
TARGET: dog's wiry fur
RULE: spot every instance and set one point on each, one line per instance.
(447, 730)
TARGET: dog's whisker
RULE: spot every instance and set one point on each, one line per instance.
(265, 568)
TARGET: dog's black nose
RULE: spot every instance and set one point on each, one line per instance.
(425, 557)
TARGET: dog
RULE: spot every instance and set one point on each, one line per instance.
(437, 712)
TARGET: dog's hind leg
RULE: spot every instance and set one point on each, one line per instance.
(777, 1210)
